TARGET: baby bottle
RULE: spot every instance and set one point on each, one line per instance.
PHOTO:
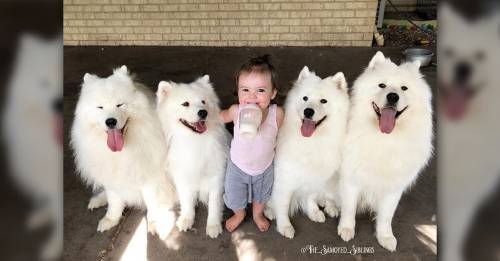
(250, 118)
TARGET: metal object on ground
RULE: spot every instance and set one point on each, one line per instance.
(418, 54)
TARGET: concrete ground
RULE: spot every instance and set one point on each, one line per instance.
(414, 222)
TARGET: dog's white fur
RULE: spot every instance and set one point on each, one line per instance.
(35, 153)
(135, 176)
(305, 167)
(377, 168)
(469, 169)
(196, 161)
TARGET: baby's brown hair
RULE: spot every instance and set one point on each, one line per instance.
(259, 64)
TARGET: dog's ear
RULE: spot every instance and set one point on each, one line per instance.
(164, 88)
(339, 81)
(304, 73)
(30, 42)
(377, 58)
(122, 70)
(204, 80)
(88, 78)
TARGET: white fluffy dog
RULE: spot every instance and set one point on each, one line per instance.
(308, 151)
(469, 127)
(389, 141)
(32, 126)
(119, 146)
(198, 148)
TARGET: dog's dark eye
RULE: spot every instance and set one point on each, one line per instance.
(119, 105)
(381, 85)
(99, 107)
(305, 98)
(202, 101)
(185, 104)
(323, 101)
(404, 88)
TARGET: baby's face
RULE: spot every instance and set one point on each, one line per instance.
(255, 88)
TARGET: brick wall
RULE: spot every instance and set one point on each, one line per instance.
(402, 5)
(219, 22)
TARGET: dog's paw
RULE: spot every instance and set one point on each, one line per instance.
(317, 216)
(345, 233)
(160, 227)
(388, 242)
(96, 202)
(106, 223)
(269, 213)
(332, 211)
(183, 223)
(213, 230)
(287, 231)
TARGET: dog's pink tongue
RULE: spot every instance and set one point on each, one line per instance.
(307, 127)
(455, 104)
(115, 140)
(200, 126)
(387, 120)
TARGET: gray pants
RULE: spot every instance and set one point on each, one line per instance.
(241, 188)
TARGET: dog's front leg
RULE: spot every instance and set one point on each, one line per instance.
(283, 224)
(214, 220)
(97, 201)
(52, 248)
(160, 216)
(187, 200)
(385, 212)
(114, 212)
(349, 198)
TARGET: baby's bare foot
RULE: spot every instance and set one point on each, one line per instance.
(233, 222)
(261, 222)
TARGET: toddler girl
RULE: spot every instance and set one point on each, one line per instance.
(250, 172)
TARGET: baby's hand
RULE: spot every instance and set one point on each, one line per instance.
(228, 115)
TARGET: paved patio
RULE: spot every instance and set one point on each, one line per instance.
(414, 221)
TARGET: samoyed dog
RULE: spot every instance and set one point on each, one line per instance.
(469, 127)
(32, 128)
(198, 148)
(308, 150)
(119, 147)
(389, 141)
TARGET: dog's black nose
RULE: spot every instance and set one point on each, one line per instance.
(202, 114)
(308, 113)
(57, 105)
(111, 122)
(462, 72)
(392, 98)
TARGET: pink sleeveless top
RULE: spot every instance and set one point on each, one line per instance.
(255, 155)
